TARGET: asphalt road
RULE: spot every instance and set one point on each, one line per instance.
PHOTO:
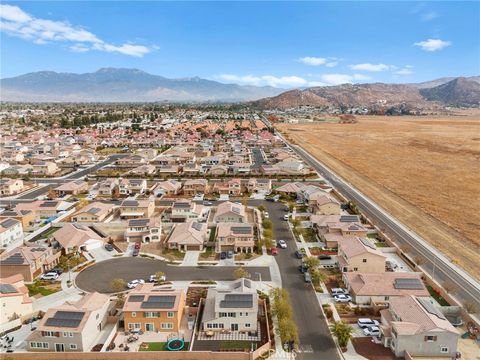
(436, 265)
(258, 160)
(315, 341)
(99, 276)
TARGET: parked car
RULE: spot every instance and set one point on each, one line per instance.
(366, 322)
(109, 247)
(153, 278)
(230, 254)
(274, 251)
(57, 270)
(307, 277)
(342, 298)
(303, 268)
(49, 276)
(324, 257)
(266, 215)
(207, 203)
(138, 244)
(223, 255)
(282, 244)
(299, 254)
(135, 252)
(372, 331)
(134, 283)
(338, 291)
(285, 217)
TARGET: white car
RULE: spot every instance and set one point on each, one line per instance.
(342, 298)
(285, 217)
(282, 244)
(266, 215)
(134, 283)
(372, 331)
(153, 278)
(49, 276)
(339, 291)
(366, 322)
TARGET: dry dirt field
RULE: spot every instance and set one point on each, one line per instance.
(424, 170)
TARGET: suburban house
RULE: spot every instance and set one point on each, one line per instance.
(144, 230)
(107, 187)
(144, 170)
(231, 309)
(11, 230)
(229, 187)
(132, 186)
(74, 237)
(45, 168)
(360, 255)
(94, 212)
(28, 261)
(259, 185)
(416, 326)
(45, 208)
(10, 186)
(71, 188)
(367, 289)
(333, 228)
(321, 203)
(26, 217)
(185, 210)
(14, 300)
(230, 212)
(237, 237)
(168, 187)
(133, 209)
(195, 186)
(73, 326)
(190, 235)
(151, 309)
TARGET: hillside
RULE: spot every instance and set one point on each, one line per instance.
(123, 85)
(457, 92)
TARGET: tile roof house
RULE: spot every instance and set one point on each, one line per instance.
(76, 237)
(186, 210)
(230, 212)
(14, 300)
(11, 230)
(190, 235)
(26, 217)
(368, 288)
(417, 326)
(232, 309)
(321, 203)
(132, 208)
(29, 261)
(45, 208)
(10, 186)
(151, 309)
(73, 188)
(237, 237)
(360, 255)
(168, 187)
(73, 326)
(94, 212)
(107, 187)
(333, 228)
(195, 186)
(144, 230)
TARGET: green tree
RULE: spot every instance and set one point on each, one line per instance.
(261, 208)
(317, 277)
(241, 272)
(343, 332)
(159, 276)
(312, 262)
(118, 285)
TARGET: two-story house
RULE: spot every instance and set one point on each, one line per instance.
(10, 186)
(151, 309)
(134, 209)
(11, 230)
(73, 326)
(361, 255)
(416, 326)
(107, 187)
(14, 300)
(195, 186)
(144, 230)
(185, 210)
(230, 212)
(237, 237)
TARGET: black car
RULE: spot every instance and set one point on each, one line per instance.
(57, 270)
(136, 252)
(303, 268)
(223, 255)
(109, 247)
(298, 254)
(324, 257)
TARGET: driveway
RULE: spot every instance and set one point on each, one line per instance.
(190, 258)
(99, 276)
(100, 254)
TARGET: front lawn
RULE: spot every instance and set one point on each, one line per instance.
(43, 288)
(309, 234)
(173, 254)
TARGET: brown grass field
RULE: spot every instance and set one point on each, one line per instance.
(424, 170)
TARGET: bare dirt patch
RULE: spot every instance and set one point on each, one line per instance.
(424, 170)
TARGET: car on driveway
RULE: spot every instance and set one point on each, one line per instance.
(282, 244)
(138, 244)
(299, 254)
(265, 215)
(207, 203)
(342, 298)
(135, 252)
(274, 251)
(49, 276)
(223, 255)
(372, 331)
(134, 283)
(109, 247)
(324, 257)
(366, 322)
(338, 291)
(57, 270)
(230, 254)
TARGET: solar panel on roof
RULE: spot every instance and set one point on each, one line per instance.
(237, 301)
(7, 289)
(138, 222)
(349, 218)
(93, 210)
(65, 319)
(130, 203)
(49, 204)
(8, 222)
(412, 283)
(197, 226)
(38, 249)
(368, 243)
(241, 229)
(181, 205)
(136, 298)
(431, 309)
(159, 302)
(15, 259)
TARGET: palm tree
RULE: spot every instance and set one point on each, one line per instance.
(343, 332)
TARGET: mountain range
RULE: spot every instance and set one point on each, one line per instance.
(123, 85)
(133, 85)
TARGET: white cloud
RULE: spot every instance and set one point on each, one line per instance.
(15, 22)
(331, 64)
(407, 70)
(270, 80)
(370, 67)
(314, 61)
(337, 79)
(433, 44)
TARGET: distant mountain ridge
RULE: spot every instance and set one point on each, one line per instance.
(123, 85)
(424, 96)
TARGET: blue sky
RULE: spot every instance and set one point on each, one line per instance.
(282, 44)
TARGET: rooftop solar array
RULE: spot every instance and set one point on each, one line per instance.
(38, 249)
(130, 203)
(93, 210)
(70, 319)
(412, 284)
(9, 222)
(431, 309)
(181, 204)
(349, 218)
(138, 222)
(237, 301)
(368, 243)
(159, 302)
(79, 227)
(197, 226)
(49, 204)
(15, 259)
(7, 289)
(241, 229)
(136, 298)
(236, 209)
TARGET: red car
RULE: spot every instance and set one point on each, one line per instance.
(274, 251)
(138, 244)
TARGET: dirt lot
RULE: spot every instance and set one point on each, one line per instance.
(424, 170)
